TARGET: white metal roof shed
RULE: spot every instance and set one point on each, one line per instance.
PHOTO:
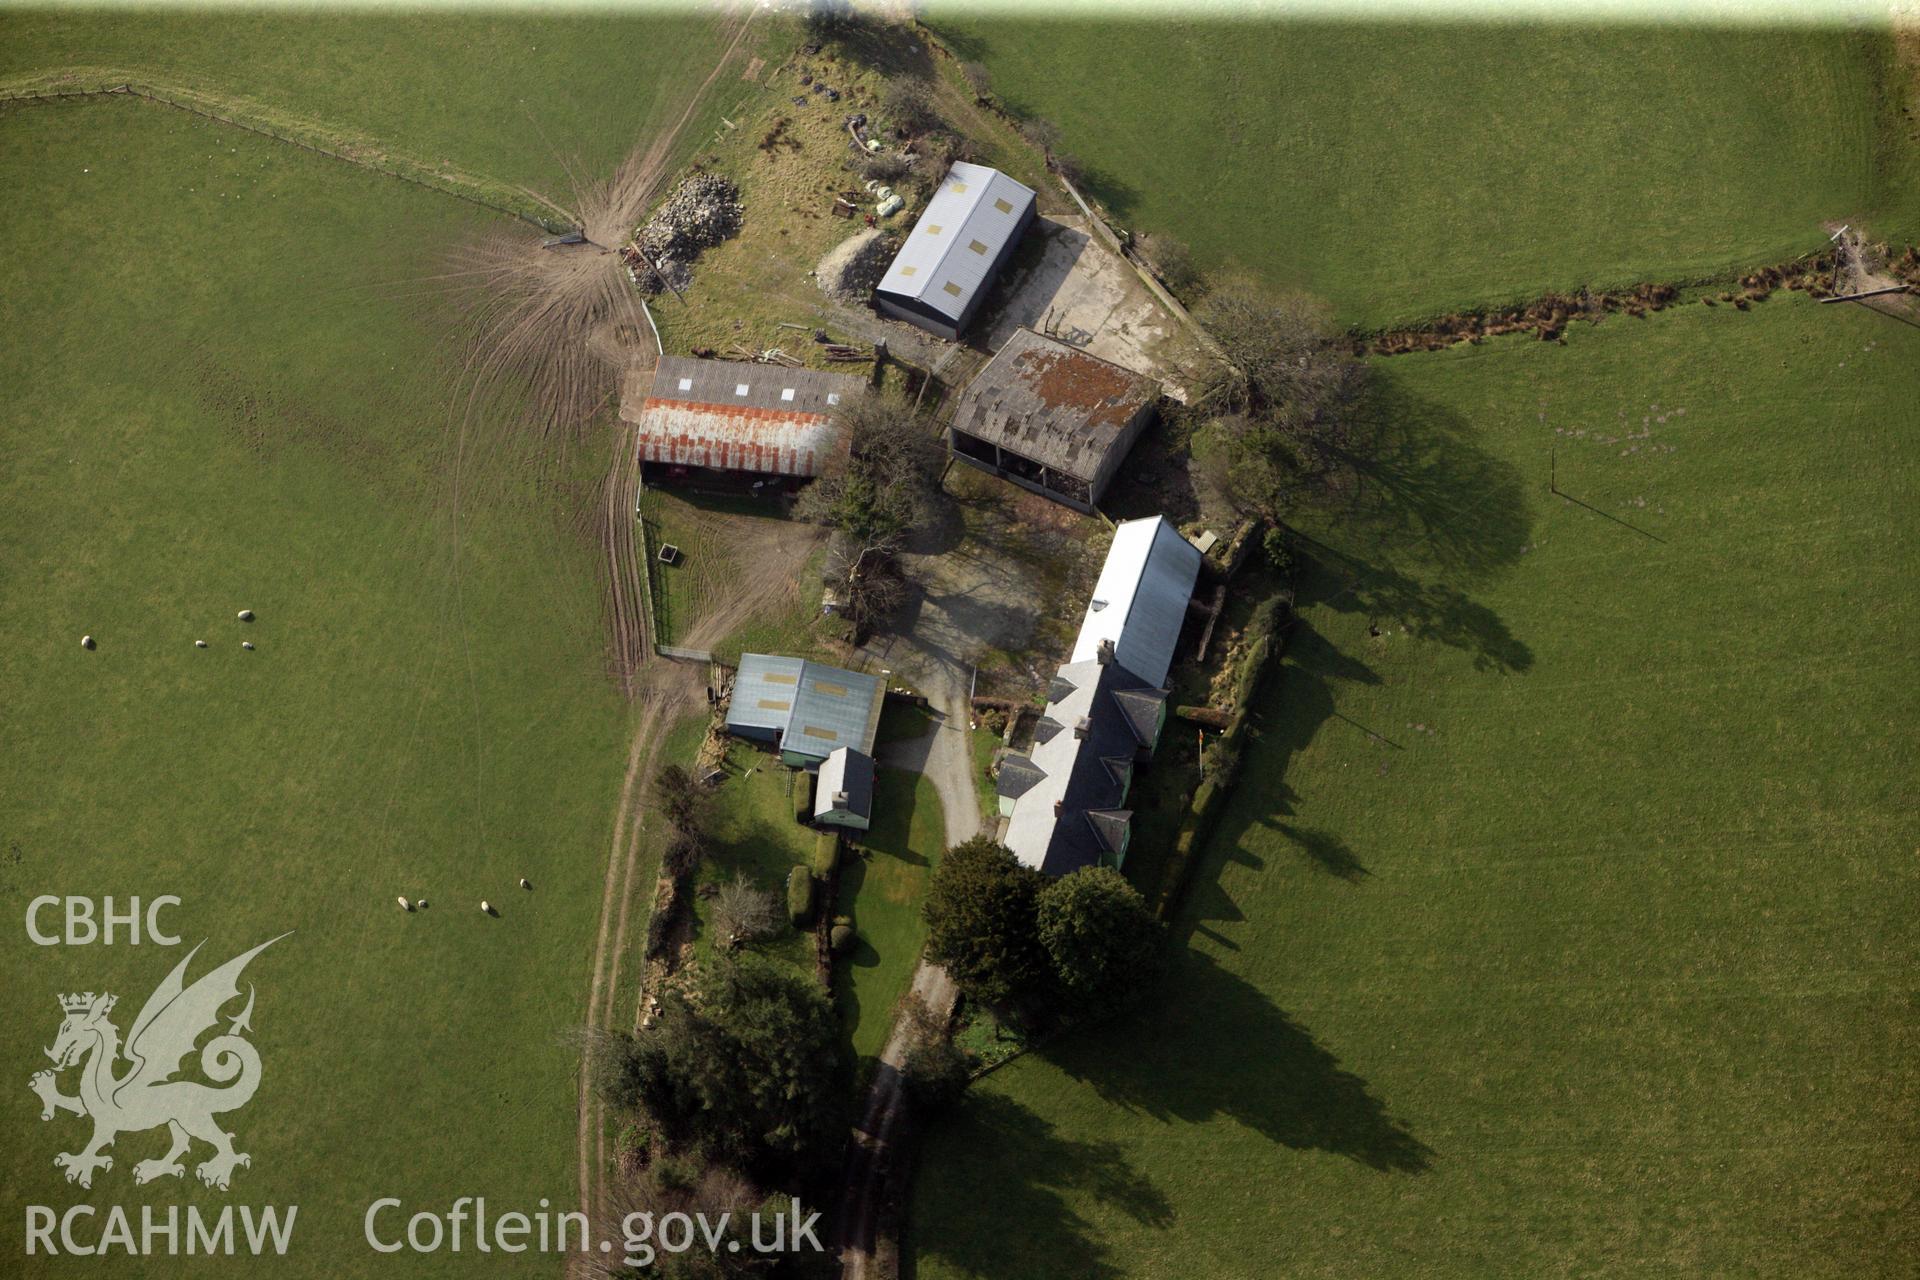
(1141, 598)
(950, 257)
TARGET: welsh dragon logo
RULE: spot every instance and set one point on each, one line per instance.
(147, 1095)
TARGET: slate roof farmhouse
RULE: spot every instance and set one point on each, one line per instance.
(1066, 800)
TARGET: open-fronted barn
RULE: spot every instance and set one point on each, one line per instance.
(1052, 418)
(727, 416)
(947, 266)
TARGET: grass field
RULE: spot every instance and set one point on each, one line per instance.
(881, 888)
(221, 391)
(519, 97)
(754, 834)
(1404, 170)
(1566, 927)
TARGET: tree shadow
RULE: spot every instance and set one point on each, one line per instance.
(1323, 848)
(1427, 610)
(1029, 1225)
(1224, 1049)
(1422, 482)
(892, 49)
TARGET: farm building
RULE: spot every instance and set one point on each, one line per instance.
(948, 263)
(804, 709)
(843, 796)
(1052, 418)
(1140, 599)
(728, 418)
(1066, 799)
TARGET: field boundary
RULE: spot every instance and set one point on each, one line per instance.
(483, 192)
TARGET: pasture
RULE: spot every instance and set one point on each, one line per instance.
(1400, 171)
(1565, 926)
(541, 100)
(225, 387)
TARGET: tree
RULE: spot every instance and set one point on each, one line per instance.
(743, 912)
(908, 104)
(1099, 934)
(742, 1066)
(875, 495)
(679, 796)
(935, 1069)
(980, 913)
(1283, 403)
(884, 484)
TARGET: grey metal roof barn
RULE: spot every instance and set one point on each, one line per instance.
(732, 415)
(807, 709)
(1052, 418)
(944, 270)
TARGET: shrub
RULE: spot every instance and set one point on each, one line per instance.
(826, 853)
(886, 166)
(1043, 134)
(978, 79)
(800, 897)
(841, 939)
(908, 104)
(803, 797)
(1173, 262)
(1279, 553)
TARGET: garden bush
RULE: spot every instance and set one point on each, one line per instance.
(800, 897)
(826, 853)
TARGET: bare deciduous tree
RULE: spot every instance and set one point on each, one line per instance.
(743, 912)
(1282, 404)
(875, 494)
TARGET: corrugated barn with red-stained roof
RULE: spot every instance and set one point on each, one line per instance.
(715, 419)
(1051, 418)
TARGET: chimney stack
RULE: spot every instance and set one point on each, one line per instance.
(839, 799)
(1082, 727)
(1104, 654)
(1059, 808)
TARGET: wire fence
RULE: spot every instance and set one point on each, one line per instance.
(128, 89)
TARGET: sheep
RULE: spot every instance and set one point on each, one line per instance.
(486, 908)
(525, 883)
(246, 615)
(247, 645)
(199, 644)
(404, 904)
(86, 642)
(422, 904)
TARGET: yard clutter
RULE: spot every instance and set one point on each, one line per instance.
(702, 212)
(853, 267)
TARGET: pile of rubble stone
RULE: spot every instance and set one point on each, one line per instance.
(702, 212)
